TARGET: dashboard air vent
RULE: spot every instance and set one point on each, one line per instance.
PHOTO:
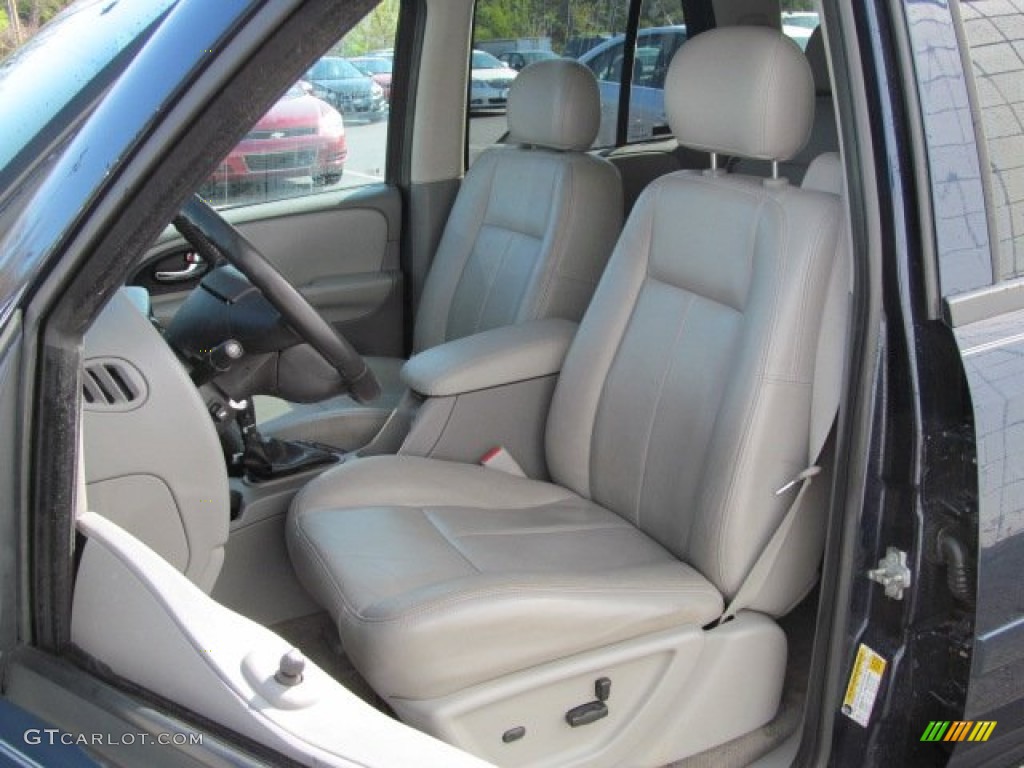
(112, 385)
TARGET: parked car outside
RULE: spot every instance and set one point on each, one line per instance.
(519, 59)
(377, 67)
(300, 137)
(353, 93)
(655, 47)
(489, 82)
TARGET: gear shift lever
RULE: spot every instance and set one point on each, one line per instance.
(267, 458)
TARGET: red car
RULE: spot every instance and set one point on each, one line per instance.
(301, 136)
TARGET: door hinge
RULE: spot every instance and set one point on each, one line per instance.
(892, 573)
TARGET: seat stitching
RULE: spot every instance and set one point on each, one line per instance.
(551, 531)
(531, 588)
(553, 271)
(451, 543)
(319, 560)
(739, 452)
(443, 321)
(493, 277)
(669, 364)
(648, 240)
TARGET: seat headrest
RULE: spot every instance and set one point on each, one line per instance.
(741, 91)
(815, 53)
(556, 104)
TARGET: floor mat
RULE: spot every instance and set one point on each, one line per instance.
(317, 637)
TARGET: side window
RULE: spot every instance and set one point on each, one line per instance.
(328, 131)
(607, 65)
(994, 33)
(660, 36)
(593, 33)
(799, 21)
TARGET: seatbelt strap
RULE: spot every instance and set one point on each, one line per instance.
(825, 391)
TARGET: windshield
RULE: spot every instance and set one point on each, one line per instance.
(484, 60)
(36, 85)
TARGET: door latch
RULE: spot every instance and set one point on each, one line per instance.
(892, 573)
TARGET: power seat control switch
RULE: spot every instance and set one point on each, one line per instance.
(592, 711)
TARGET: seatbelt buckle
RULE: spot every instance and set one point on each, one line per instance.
(499, 458)
(807, 474)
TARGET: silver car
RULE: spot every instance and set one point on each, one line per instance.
(490, 81)
(654, 50)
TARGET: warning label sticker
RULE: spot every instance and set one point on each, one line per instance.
(865, 680)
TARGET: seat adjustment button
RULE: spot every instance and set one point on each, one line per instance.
(587, 713)
(513, 734)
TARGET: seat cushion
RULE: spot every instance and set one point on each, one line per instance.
(339, 421)
(444, 575)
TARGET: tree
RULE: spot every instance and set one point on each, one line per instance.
(375, 32)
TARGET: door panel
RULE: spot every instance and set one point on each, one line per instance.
(340, 249)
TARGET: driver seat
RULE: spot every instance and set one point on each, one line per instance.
(528, 237)
(580, 622)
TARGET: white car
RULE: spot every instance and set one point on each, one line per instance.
(490, 81)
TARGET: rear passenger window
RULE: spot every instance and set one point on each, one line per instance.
(994, 33)
(593, 33)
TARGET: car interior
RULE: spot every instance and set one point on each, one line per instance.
(565, 506)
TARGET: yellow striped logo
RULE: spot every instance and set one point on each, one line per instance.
(958, 730)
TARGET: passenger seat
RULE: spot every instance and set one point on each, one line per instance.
(527, 238)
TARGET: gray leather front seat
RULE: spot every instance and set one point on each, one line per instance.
(528, 237)
(477, 603)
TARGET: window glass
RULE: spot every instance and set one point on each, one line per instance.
(328, 131)
(517, 34)
(799, 21)
(995, 35)
(660, 34)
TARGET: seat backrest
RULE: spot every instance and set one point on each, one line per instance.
(684, 403)
(824, 136)
(534, 223)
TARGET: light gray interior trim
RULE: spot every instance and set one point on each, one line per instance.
(257, 579)
(440, 126)
(130, 607)
(492, 358)
(353, 197)
(993, 300)
(155, 466)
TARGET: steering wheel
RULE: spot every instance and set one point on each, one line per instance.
(213, 237)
